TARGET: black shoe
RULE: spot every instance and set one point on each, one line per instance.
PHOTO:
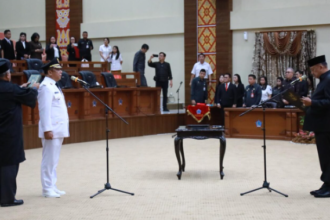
(15, 203)
(325, 193)
(166, 110)
(317, 191)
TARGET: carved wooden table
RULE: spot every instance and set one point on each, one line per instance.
(199, 132)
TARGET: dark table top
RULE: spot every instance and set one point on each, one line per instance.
(200, 127)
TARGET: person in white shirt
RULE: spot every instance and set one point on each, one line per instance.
(265, 88)
(53, 127)
(201, 65)
(105, 50)
(116, 59)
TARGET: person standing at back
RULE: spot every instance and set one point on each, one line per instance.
(226, 96)
(22, 48)
(302, 86)
(240, 90)
(139, 63)
(116, 60)
(252, 94)
(53, 127)
(12, 154)
(199, 89)
(289, 78)
(266, 90)
(163, 75)
(201, 64)
(105, 50)
(85, 46)
(36, 47)
(53, 50)
(7, 47)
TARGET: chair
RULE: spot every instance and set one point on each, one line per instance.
(35, 64)
(65, 82)
(90, 78)
(28, 73)
(109, 80)
(9, 63)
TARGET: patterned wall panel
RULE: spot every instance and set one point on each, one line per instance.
(206, 39)
(63, 24)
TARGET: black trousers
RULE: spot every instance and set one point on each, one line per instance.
(222, 114)
(323, 149)
(164, 86)
(8, 185)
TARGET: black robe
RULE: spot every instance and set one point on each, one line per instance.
(11, 123)
(318, 114)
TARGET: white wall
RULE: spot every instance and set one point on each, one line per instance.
(131, 23)
(261, 15)
(23, 16)
(172, 45)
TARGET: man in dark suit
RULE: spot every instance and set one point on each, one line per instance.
(85, 46)
(225, 96)
(302, 86)
(12, 97)
(7, 47)
(199, 89)
(317, 119)
(163, 76)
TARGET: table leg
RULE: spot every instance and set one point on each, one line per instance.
(222, 155)
(177, 141)
(182, 154)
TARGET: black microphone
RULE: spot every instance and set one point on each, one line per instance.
(181, 82)
(304, 77)
(76, 79)
(177, 91)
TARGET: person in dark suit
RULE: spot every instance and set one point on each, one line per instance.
(163, 76)
(139, 63)
(22, 48)
(226, 96)
(53, 50)
(289, 78)
(7, 47)
(12, 97)
(317, 119)
(73, 51)
(199, 89)
(252, 95)
(301, 87)
(277, 90)
(85, 46)
(239, 90)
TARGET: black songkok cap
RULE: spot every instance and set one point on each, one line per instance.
(316, 60)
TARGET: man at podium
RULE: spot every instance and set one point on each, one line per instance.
(199, 89)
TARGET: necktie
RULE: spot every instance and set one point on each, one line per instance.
(226, 86)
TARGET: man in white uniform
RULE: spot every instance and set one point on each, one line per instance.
(53, 127)
(199, 66)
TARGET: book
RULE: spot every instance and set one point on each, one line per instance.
(34, 78)
(294, 99)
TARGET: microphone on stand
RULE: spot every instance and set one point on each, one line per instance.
(179, 87)
(304, 77)
(76, 79)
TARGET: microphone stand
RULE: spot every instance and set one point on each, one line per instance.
(265, 185)
(107, 185)
(177, 91)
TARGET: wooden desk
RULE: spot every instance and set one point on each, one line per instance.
(281, 124)
(201, 133)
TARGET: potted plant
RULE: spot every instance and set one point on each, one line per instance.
(304, 137)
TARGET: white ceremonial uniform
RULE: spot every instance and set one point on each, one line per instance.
(54, 117)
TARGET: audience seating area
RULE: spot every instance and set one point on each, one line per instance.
(121, 91)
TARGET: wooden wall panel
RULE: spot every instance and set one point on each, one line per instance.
(190, 42)
(94, 129)
(76, 18)
(224, 37)
(50, 19)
